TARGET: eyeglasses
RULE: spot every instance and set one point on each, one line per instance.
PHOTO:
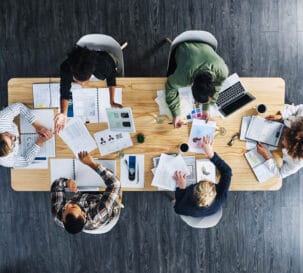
(232, 140)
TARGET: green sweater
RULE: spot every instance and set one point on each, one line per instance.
(193, 58)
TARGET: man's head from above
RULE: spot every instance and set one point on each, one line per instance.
(73, 218)
(7, 143)
(203, 87)
(82, 62)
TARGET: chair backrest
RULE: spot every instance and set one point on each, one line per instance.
(193, 36)
(104, 229)
(102, 42)
(203, 222)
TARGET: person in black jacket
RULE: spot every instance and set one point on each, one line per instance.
(79, 66)
(204, 198)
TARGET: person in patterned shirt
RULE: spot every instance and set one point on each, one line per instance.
(86, 210)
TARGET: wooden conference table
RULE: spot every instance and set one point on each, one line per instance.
(139, 94)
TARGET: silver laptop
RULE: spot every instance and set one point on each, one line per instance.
(232, 96)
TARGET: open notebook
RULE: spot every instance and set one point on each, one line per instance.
(89, 104)
(87, 179)
(256, 162)
(46, 95)
(29, 136)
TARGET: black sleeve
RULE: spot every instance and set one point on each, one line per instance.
(183, 200)
(226, 173)
(106, 68)
(66, 78)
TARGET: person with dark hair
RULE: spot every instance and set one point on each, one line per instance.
(80, 65)
(204, 198)
(9, 137)
(86, 210)
(292, 142)
(195, 64)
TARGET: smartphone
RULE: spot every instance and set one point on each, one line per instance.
(131, 168)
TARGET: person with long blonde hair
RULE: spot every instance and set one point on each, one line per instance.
(204, 198)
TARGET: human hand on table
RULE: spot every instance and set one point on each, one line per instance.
(60, 122)
(180, 179)
(263, 151)
(72, 185)
(206, 145)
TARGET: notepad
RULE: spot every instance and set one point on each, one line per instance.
(29, 136)
(89, 104)
(46, 95)
(86, 177)
(256, 162)
(77, 137)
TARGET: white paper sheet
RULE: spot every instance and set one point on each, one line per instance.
(77, 137)
(120, 119)
(206, 170)
(138, 182)
(200, 129)
(168, 165)
(109, 142)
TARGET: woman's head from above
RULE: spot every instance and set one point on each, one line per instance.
(7, 143)
(82, 62)
(205, 193)
(293, 139)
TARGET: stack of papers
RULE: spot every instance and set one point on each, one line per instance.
(165, 171)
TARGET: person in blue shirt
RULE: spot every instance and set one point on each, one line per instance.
(204, 198)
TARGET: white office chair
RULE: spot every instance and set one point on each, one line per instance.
(104, 229)
(101, 42)
(190, 36)
(203, 222)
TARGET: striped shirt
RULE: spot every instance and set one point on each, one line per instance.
(100, 208)
(7, 115)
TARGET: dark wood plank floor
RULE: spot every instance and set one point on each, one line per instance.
(259, 231)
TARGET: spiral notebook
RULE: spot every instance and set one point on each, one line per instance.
(89, 104)
(87, 179)
(46, 95)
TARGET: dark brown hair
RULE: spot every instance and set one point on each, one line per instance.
(294, 138)
(4, 148)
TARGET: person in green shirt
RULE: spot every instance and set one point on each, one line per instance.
(197, 64)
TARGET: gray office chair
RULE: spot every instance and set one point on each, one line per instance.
(189, 36)
(203, 222)
(101, 42)
(104, 229)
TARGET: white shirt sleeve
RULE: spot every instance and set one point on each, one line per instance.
(291, 110)
(288, 167)
(8, 114)
(27, 159)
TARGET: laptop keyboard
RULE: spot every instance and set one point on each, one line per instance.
(230, 94)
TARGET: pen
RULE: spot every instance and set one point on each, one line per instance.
(40, 158)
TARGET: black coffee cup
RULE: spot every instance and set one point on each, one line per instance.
(261, 108)
(184, 147)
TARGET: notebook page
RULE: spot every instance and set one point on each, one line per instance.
(85, 104)
(62, 167)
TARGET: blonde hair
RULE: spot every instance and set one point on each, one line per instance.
(205, 193)
(4, 148)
